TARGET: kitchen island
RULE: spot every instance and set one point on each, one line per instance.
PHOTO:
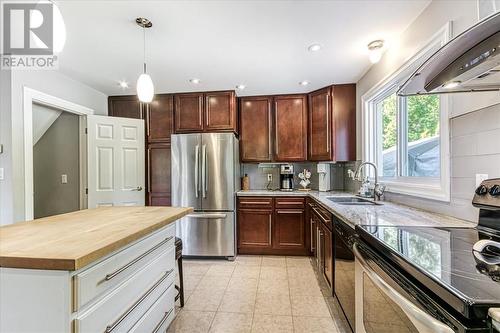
(97, 270)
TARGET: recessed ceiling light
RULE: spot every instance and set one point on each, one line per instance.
(304, 83)
(375, 48)
(314, 47)
(451, 84)
(240, 86)
(123, 84)
(195, 81)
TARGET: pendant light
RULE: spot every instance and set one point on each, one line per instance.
(145, 87)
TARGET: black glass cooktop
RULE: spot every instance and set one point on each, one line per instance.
(442, 260)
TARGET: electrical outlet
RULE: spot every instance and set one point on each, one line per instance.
(269, 177)
(480, 177)
(1, 174)
(64, 179)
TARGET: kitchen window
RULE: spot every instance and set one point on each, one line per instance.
(407, 137)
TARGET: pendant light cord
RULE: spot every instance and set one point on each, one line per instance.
(144, 46)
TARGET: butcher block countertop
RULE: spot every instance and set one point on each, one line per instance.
(74, 240)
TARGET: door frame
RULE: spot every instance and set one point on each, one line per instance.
(31, 96)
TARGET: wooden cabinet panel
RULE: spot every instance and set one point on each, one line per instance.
(327, 255)
(320, 126)
(289, 203)
(220, 111)
(159, 173)
(344, 120)
(253, 202)
(254, 229)
(160, 122)
(255, 129)
(290, 114)
(188, 113)
(125, 106)
(289, 231)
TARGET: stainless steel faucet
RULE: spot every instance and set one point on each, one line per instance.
(378, 190)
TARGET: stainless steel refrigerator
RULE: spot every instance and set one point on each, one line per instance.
(205, 176)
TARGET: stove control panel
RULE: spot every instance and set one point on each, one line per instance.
(488, 194)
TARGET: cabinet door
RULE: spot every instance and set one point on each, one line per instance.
(254, 229)
(159, 118)
(344, 114)
(327, 256)
(289, 229)
(320, 125)
(290, 114)
(159, 188)
(255, 129)
(125, 107)
(220, 111)
(188, 113)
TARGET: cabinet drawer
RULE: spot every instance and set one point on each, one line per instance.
(124, 306)
(323, 215)
(284, 203)
(253, 202)
(104, 276)
(159, 316)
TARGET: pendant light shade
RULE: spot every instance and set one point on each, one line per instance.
(145, 88)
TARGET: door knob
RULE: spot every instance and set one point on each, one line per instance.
(138, 188)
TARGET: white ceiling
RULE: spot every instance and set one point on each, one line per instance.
(262, 44)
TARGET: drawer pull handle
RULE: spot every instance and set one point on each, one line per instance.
(322, 218)
(162, 321)
(121, 269)
(111, 327)
(255, 203)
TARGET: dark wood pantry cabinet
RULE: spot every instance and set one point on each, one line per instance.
(205, 112)
(256, 121)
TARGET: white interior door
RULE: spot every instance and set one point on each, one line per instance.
(115, 161)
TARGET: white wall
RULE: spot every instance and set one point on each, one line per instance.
(463, 14)
(52, 83)
(6, 198)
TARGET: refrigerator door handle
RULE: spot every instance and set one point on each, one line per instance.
(207, 216)
(204, 171)
(196, 171)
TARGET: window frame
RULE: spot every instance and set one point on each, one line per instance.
(435, 188)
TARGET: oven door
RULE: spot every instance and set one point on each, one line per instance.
(387, 305)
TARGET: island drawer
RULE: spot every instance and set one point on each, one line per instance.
(159, 316)
(255, 202)
(124, 306)
(109, 273)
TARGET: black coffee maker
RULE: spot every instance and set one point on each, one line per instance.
(286, 177)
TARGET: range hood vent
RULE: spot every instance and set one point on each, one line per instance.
(468, 63)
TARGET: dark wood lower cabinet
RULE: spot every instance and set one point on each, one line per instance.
(158, 175)
(265, 228)
(254, 230)
(327, 253)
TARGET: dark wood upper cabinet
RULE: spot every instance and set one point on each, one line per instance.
(188, 113)
(205, 112)
(290, 114)
(160, 119)
(256, 129)
(320, 125)
(220, 111)
(344, 121)
(125, 106)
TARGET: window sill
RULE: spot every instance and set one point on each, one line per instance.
(431, 191)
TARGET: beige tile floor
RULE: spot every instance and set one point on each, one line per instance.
(255, 294)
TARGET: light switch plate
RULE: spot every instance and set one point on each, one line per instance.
(1, 173)
(480, 177)
(64, 179)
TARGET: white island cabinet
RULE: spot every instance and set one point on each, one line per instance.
(100, 270)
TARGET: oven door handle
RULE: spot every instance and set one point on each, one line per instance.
(424, 322)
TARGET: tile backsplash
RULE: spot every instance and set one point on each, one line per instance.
(258, 175)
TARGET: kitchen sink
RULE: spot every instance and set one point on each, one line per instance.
(353, 201)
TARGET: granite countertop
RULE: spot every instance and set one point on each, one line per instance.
(387, 214)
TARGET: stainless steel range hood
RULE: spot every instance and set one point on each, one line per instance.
(468, 63)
